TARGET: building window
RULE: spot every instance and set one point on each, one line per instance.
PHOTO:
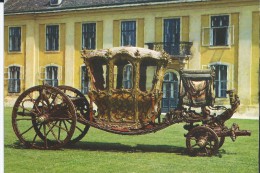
(219, 33)
(89, 35)
(127, 76)
(52, 37)
(84, 80)
(220, 80)
(14, 39)
(51, 76)
(14, 79)
(128, 33)
(171, 36)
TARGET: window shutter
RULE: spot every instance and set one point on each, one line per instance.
(6, 74)
(59, 73)
(207, 36)
(211, 37)
(230, 35)
(116, 31)
(42, 73)
(21, 72)
(230, 76)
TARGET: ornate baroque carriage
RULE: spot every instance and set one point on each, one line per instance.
(124, 98)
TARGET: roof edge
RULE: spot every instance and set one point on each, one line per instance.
(55, 10)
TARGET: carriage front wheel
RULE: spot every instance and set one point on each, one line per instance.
(202, 141)
(44, 117)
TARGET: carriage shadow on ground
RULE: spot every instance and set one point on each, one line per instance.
(113, 147)
(118, 147)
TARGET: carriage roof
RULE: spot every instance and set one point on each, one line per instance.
(133, 52)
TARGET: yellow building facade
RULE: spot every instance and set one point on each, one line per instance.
(235, 55)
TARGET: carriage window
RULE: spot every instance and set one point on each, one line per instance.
(147, 71)
(99, 70)
(123, 74)
(127, 76)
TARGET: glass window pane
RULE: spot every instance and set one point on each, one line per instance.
(14, 79)
(220, 80)
(89, 36)
(128, 33)
(219, 26)
(52, 37)
(15, 39)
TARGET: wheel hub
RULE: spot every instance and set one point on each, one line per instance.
(202, 142)
(42, 118)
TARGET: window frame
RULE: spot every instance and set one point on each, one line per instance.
(82, 79)
(213, 39)
(20, 40)
(134, 32)
(218, 90)
(16, 83)
(82, 35)
(54, 82)
(163, 33)
(46, 38)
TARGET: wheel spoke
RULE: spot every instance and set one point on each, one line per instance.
(59, 130)
(66, 130)
(53, 133)
(33, 100)
(33, 141)
(53, 99)
(58, 118)
(65, 125)
(51, 127)
(22, 107)
(45, 136)
(26, 130)
(19, 119)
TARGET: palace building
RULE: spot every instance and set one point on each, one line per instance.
(44, 38)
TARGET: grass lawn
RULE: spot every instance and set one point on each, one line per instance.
(103, 152)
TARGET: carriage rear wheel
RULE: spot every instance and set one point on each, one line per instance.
(43, 117)
(202, 141)
(82, 111)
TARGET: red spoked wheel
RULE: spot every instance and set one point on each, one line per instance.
(82, 111)
(202, 141)
(44, 117)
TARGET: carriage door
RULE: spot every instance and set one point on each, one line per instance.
(170, 92)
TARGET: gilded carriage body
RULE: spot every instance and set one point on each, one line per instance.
(126, 85)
